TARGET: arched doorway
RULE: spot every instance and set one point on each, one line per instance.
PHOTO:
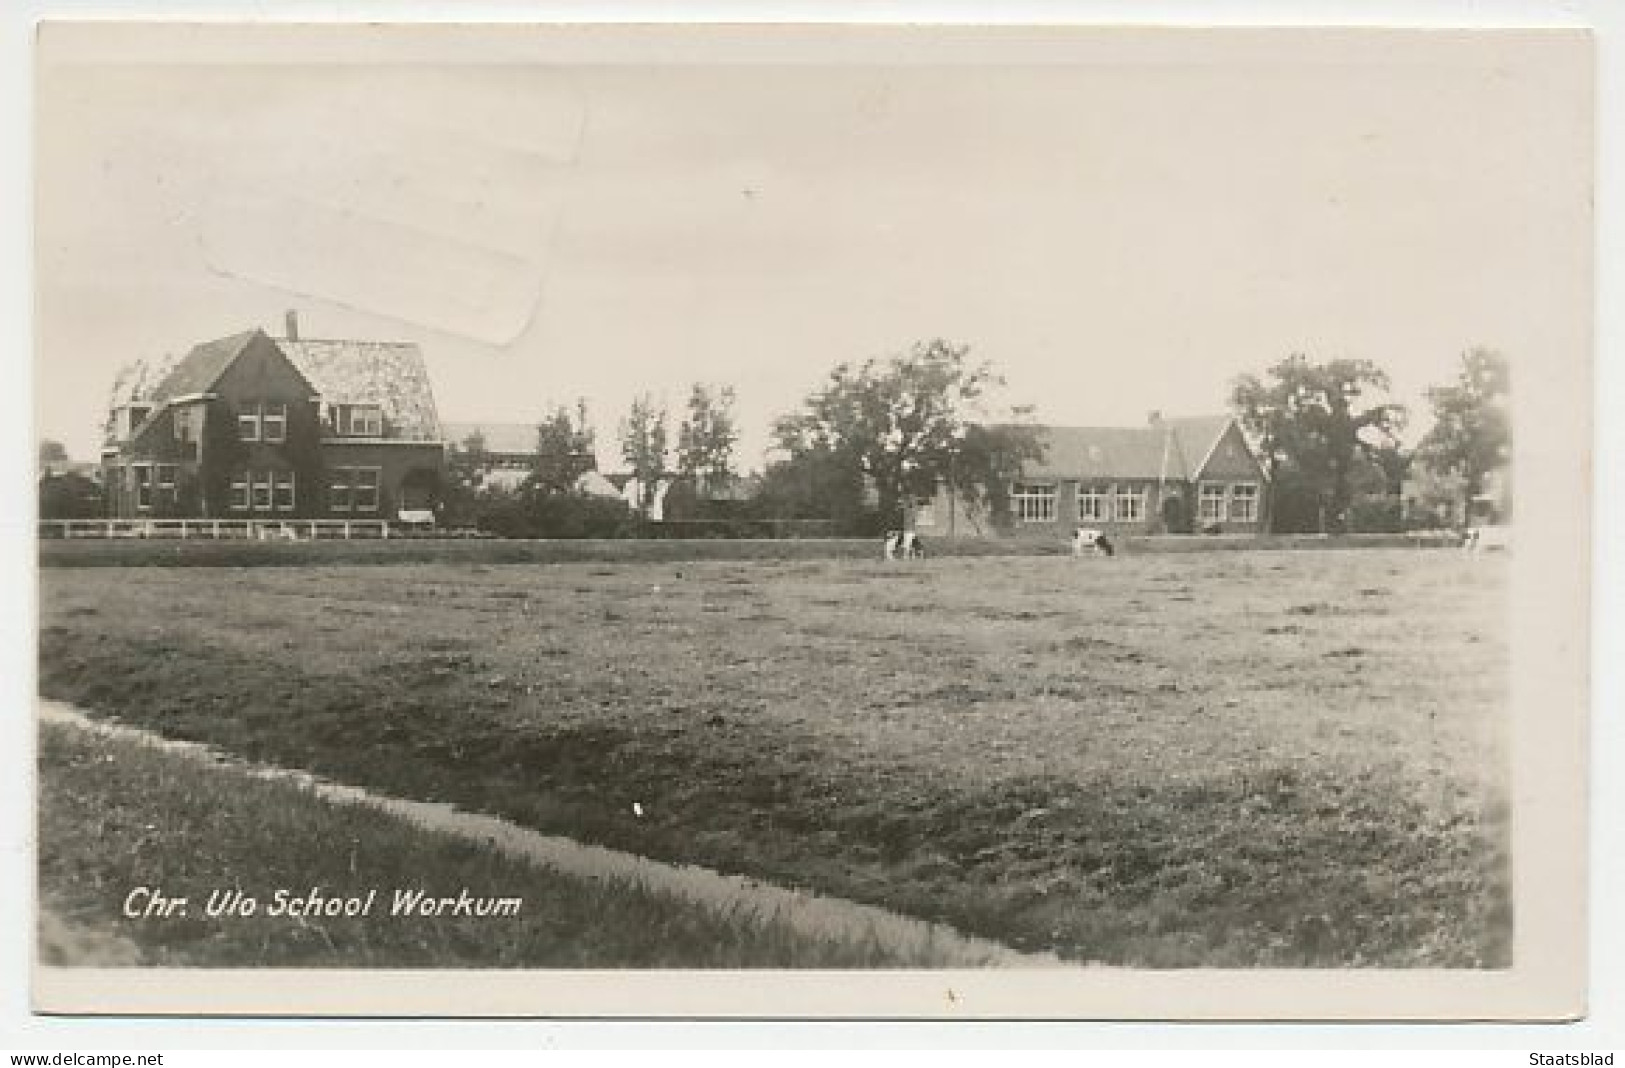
(1176, 517)
(420, 490)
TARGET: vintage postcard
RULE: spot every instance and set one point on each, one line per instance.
(858, 521)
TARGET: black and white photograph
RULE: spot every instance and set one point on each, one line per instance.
(872, 520)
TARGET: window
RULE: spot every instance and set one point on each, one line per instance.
(362, 421)
(274, 421)
(1033, 504)
(142, 473)
(263, 421)
(262, 490)
(282, 495)
(131, 417)
(353, 489)
(1244, 502)
(166, 483)
(1130, 505)
(1093, 502)
(925, 513)
(188, 426)
(365, 481)
(338, 490)
(1210, 506)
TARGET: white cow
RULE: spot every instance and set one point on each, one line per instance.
(905, 544)
(1095, 542)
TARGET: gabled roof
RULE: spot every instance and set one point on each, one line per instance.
(134, 384)
(1169, 448)
(390, 374)
(157, 384)
(1197, 436)
(202, 367)
(1106, 452)
(137, 379)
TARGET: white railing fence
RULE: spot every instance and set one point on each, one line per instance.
(240, 529)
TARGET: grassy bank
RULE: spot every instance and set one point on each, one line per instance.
(116, 816)
(1225, 759)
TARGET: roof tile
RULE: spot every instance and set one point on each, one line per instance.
(390, 374)
(1171, 448)
(201, 367)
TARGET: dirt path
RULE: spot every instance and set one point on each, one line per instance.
(808, 914)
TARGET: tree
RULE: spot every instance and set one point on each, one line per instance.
(815, 484)
(643, 446)
(706, 438)
(1472, 428)
(989, 462)
(466, 463)
(910, 423)
(51, 452)
(69, 495)
(565, 444)
(1313, 426)
(546, 504)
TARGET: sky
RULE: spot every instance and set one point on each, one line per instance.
(1119, 221)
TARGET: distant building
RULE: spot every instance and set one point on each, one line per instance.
(507, 451)
(594, 484)
(508, 458)
(508, 454)
(1434, 498)
(255, 427)
(1169, 476)
(632, 490)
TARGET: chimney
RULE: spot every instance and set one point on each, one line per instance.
(292, 320)
(1154, 418)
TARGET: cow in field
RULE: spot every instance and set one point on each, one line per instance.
(904, 544)
(1480, 539)
(1089, 540)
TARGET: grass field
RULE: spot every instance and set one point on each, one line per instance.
(116, 814)
(230, 552)
(1245, 758)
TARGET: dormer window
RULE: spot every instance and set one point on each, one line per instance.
(361, 421)
(129, 417)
